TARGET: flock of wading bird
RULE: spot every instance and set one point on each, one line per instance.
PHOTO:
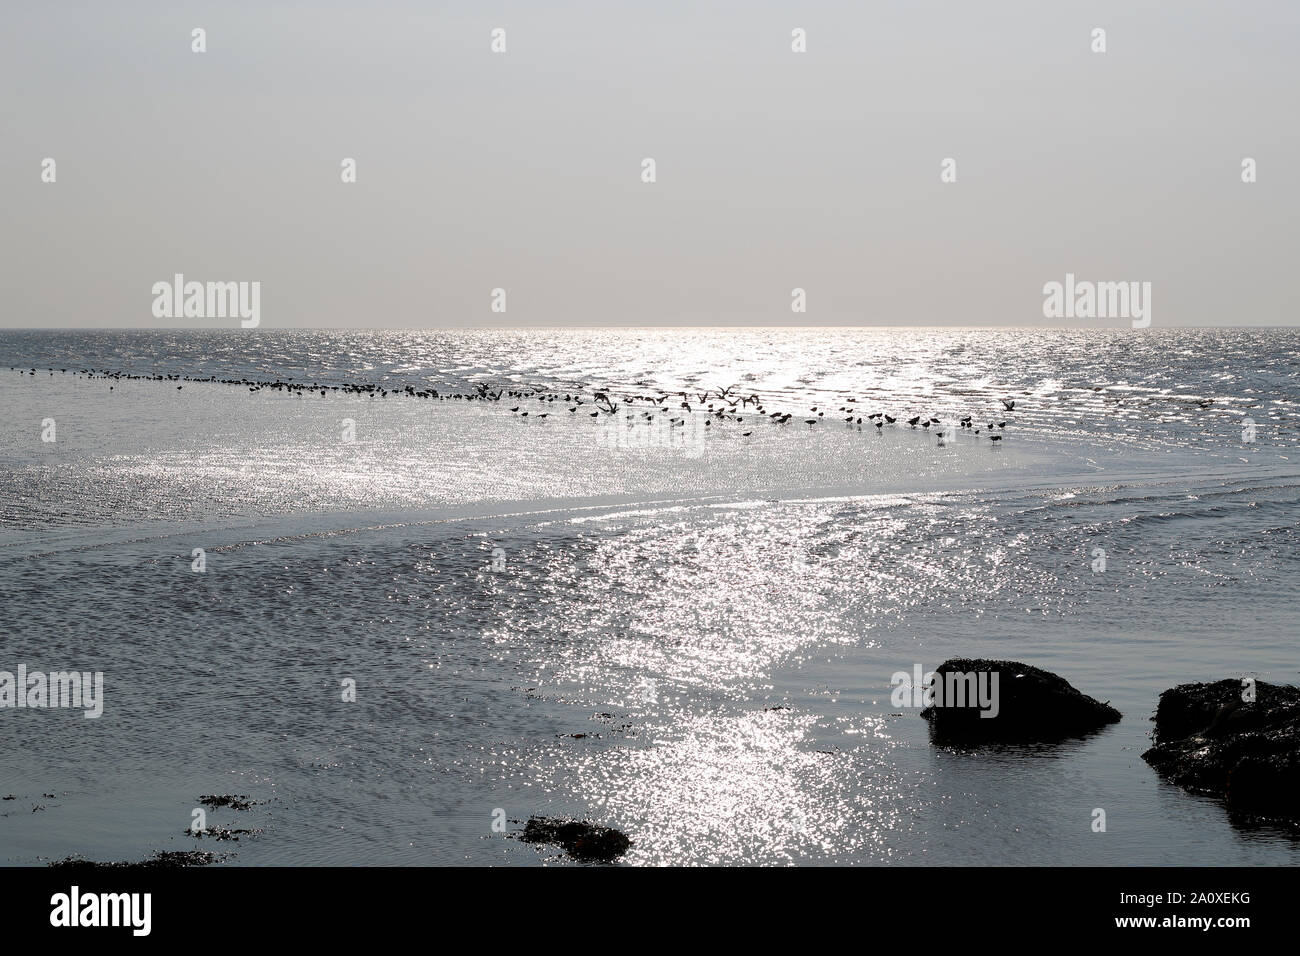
(720, 405)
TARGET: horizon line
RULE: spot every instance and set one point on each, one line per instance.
(611, 328)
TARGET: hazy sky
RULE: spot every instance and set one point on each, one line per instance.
(522, 170)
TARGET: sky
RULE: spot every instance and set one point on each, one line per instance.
(775, 170)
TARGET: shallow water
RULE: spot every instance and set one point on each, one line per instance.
(719, 615)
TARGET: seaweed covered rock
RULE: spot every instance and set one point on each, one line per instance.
(580, 839)
(985, 701)
(1236, 740)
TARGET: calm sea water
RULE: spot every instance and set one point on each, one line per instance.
(689, 632)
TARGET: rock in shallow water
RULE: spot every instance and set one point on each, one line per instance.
(1211, 740)
(582, 840)
(1024, 704)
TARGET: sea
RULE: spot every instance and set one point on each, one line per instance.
(402, 625)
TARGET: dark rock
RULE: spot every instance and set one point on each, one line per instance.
(224, 833)
(236, 801)
(1209, 740)
(580, 839)
(1032, 706)
(164, 859)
